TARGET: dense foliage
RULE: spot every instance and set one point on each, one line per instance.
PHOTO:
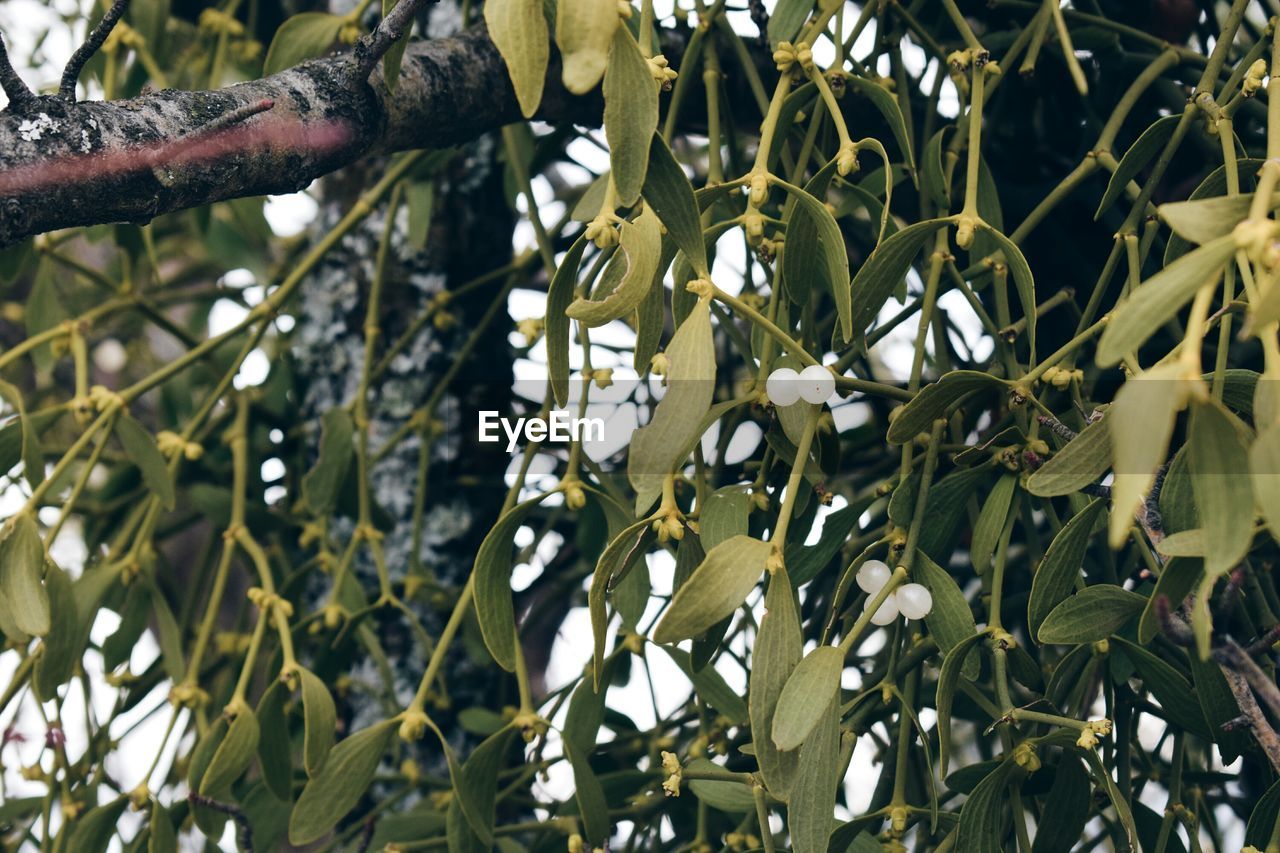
(1033, 246)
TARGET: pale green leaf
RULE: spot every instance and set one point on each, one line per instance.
(668, 191)
(778, 649)
(301, 37)
(1159, 299)
(340, 784)
(639, 250)
(715, 590)
(659, 446)
(518, 29)
(1081, 462)
(1057, 573)
(141, 448)
(806, 695)
(1094, 613)
(630, 114)
(1140, 423)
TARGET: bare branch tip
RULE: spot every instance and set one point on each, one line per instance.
(95, 40)
(20, 96)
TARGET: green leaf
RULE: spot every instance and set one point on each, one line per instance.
(811, 811)
(991, 521)
(668, 191)
(630, 114)
(626, 546)
(639, 250)
(392, 59)
(1262, 820)
(814, 217)
(321, 485)
(806, 561)
(725, 515)
(1219, 464)
(1102, 775)
(1264, 470)
(21, 572)
(1056, 576)
(884, 101)
(1081, 462)
(63, 645)
(1159, 299)
(1068, 803)
(950, 621)
(1175, 583)
(209, 821)
(732, 797)
(953, 663)
(301, 37)
(806, 695)
(787, 19)
(233, 755)
(340, 784)
(933, 401)
(584, 31)
(1170, 687)
(710, 686)
(93, 831)
(519, 31)
(1140, 153)
(274, 755)
(715, 590)
(492, 578)
(32, 456)
(479, 778)
(1094, 613)
(1206, 219)
(592, 804)
(162, 838)
(141, 448)
(886, 268)
(982, 817)
(559, 297)
(1023, 282)
(1140, 423)
(932, 178)
(320, 720)
(778, 648)
(660, 445)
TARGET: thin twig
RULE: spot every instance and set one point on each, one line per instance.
(71, 74)
(391, 29)
(1252, 714)
(244, 837)
(19, 95)
(1229, 653)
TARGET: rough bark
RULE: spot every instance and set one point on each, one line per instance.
(65, 165)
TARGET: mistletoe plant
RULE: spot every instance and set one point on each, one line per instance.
(1017, 574)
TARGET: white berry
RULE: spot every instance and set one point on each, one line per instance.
(914, 601)
(816, 384)
(873, 576)
(783, 386)
(886, 613)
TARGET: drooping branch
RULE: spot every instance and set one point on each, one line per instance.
(71, 164)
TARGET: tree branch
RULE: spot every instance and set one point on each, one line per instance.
(71, 164)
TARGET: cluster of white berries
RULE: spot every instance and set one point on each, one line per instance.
(814, 384)
(911, 600)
